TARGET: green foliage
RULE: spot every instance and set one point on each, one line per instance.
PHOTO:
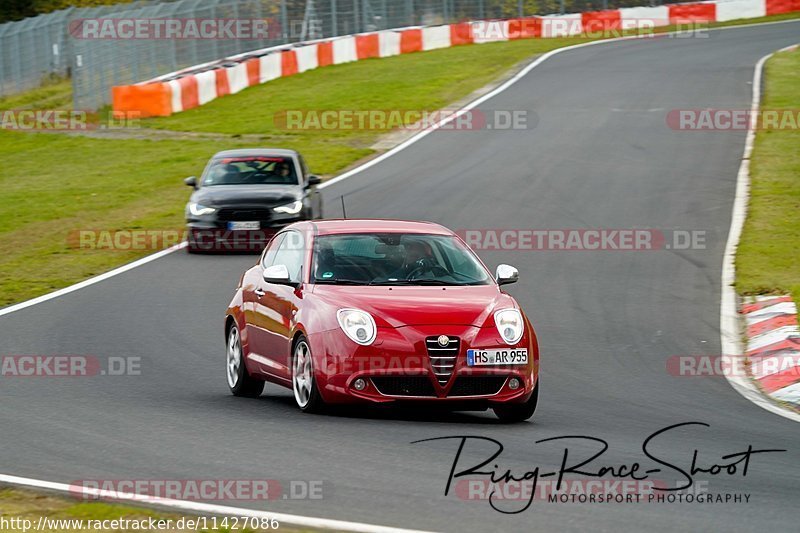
(769, 253)
(19, 9)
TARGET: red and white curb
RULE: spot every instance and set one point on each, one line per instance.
(773, 346)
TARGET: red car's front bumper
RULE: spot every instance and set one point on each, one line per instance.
(398, 367)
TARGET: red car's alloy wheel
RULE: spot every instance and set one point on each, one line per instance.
(239, 381)
(234, 359)
(304, 386)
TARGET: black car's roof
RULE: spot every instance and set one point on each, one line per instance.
(244, 152)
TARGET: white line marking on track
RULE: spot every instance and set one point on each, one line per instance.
(729, 331)
(91, 281)
(200, 508)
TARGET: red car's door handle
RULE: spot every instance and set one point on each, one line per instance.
(259, 292)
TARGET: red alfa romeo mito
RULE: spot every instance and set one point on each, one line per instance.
(381, 311)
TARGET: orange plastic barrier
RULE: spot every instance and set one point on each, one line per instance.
(368, 46)
(253, 71)
(288, 63)
(325, 54)
(223, 85)
(149, 99)
(776, 7)
(692, 13)
(189, 96)
(460, 33)
(525, 28)
(410, 41)
(601, 21)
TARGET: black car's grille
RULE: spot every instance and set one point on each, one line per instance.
(242, 215)
(404, 386)
(477, 385)
(443, 358)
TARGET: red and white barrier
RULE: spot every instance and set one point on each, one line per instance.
(269, 67)
(389, 42)
(741, 9)
(344, 50)
(773, 346)
(306, 57)
(196, 86)
(644, 17)
(562, 25)
(490, 31)
(435, 37)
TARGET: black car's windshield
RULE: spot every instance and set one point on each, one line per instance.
(256, 170)
(395, 259)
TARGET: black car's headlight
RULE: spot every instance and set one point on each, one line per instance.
(289, 209)
(510, 325)
(200, 210)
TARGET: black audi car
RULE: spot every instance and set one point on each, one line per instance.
(245, 196)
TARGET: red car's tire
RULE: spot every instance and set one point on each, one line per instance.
(304, 386)
(518, 412)
(239, 380)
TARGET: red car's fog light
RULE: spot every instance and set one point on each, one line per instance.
(513, 383)
(359, 384)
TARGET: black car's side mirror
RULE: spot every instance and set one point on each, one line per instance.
(313, 180)
(191, 181)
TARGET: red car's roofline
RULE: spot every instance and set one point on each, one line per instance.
(377, 225)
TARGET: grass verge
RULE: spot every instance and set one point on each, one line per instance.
(54, 184)
(21, 511)
(769, 252)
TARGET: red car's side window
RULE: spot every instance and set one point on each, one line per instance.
(291, 254)
(269, 254)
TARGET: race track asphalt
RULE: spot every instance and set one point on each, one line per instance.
(600, 156)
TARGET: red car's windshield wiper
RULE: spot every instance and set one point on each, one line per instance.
(413, 282)
(341, 281)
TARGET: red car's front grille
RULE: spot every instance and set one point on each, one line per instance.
(419, 386)
(477, 385)
(443, 355)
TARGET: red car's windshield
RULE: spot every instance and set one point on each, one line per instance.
(395, 259)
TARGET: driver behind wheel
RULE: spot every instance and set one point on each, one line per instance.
(284, 172)
(418, 259)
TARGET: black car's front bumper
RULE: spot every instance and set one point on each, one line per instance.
(214, 234)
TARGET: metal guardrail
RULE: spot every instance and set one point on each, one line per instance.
(37, 48)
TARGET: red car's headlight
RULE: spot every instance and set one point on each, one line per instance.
(510, 325)
(358, 325)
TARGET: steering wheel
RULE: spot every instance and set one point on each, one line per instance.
(423, 266)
